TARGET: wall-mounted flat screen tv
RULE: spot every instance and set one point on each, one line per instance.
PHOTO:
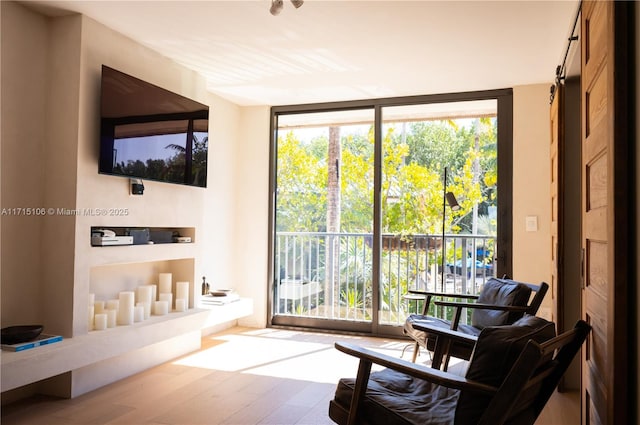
(148, 132)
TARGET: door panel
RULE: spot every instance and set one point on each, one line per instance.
(605, 216)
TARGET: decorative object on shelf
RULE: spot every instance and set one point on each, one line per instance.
(220, 297)
(278, 5)
(42, 339)
(20, 333)
(205, 286)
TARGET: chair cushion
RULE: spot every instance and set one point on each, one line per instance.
(393, 397)
(500, 292)
(495, 353)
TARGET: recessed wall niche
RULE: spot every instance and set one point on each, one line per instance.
(107, 281)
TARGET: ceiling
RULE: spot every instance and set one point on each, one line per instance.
(346, 50)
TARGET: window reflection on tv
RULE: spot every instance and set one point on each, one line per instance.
(151, 133)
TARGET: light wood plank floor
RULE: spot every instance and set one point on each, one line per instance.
(240, 376)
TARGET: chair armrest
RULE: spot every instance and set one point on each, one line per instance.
(438, 377)
(481, 306)
(451, 334)
(442, 294)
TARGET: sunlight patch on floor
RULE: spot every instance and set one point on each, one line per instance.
(283, 354)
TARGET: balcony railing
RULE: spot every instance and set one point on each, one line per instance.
(330, 275)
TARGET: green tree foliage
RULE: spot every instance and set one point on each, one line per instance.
(301, 186)
(414, 157)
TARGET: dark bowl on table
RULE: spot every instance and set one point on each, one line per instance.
(20, 333)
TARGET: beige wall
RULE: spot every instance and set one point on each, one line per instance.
(531, 186)
(23, 138)
(231, 216)
(50, 113)
(252, 211)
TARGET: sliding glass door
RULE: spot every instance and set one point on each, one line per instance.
(324, 217)
(359, 210)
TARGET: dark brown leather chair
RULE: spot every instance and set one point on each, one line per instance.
(512, 373)
(500, 302)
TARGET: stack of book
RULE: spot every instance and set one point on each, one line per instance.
(220, 297)
(42, 339)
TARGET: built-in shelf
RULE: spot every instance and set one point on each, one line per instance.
(25, 367)
(101, 256)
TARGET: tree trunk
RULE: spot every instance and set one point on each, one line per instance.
(333, 217)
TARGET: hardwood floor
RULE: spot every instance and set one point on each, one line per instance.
(241, 376)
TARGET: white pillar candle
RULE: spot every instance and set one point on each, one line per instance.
(182, 290)
(161, 308)
(113, 305)
(100, 322)
(112, 316)
(165, 283)
(181, 304)
(125, 310)
(92, 299)
(138, 313)
(98, 307)
(146, 306)
(90, 317)
(145, 293)
(154, 296)
(168, 297)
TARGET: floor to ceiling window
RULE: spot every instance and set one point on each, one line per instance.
(374, 198)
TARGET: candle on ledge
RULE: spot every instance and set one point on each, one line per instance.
(126, 310)
(145, 294)
(181, 304)
(100, 322)
(182, 291)
(138, 313)
(92, 299)
(161, 308)
(98, 307)
(112, 316)
(168, 297)
(165, 283)
(90, 317)
(113, 305)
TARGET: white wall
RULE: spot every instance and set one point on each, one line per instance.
(252, 211)
(531, 186)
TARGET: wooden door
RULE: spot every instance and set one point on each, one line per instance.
(605, 218)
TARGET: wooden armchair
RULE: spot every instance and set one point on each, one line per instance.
(501, 302)
(512, 373)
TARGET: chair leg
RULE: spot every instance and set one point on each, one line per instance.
(416, 350)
